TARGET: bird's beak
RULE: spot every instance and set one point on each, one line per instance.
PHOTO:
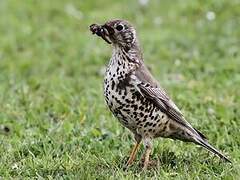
(103, 31)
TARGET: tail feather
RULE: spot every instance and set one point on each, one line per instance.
(210, 148)
(200, 134)
(188, 133)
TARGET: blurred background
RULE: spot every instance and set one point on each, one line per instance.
(53, 118)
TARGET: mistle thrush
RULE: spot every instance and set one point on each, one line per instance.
(136, 98)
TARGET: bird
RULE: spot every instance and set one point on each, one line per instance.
(136, 98)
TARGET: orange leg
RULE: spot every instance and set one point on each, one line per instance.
(148, 146)
(146, 158)
(133, 153)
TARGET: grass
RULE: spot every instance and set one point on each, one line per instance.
(53, 119)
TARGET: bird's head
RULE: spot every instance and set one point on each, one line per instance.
(116, 32)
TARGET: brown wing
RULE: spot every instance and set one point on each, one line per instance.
(148, 87)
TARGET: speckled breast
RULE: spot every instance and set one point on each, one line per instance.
(133, 110)
(119, 98)
(137, 113)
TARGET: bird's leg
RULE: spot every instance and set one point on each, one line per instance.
(133, 154)
(134, 150)
(148, 147)
(146, 158)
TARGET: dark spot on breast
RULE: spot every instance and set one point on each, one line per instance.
(141, 108)
(132, 90)
(135, 113)
(118, 101)
(166, 122)
(134, 97)
(160, 124)
(119, 91)
(126, 110)
(151, 110)
(127, 105)
(171, 126)
(134, 106)
(125, 91)
(164, 128)
(128, 101)
(146, 124)
(113, 84)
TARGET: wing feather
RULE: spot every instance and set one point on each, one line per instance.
(148, 87)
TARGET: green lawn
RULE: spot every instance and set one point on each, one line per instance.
(53, 119)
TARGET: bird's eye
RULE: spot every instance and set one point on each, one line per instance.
(119, 27)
